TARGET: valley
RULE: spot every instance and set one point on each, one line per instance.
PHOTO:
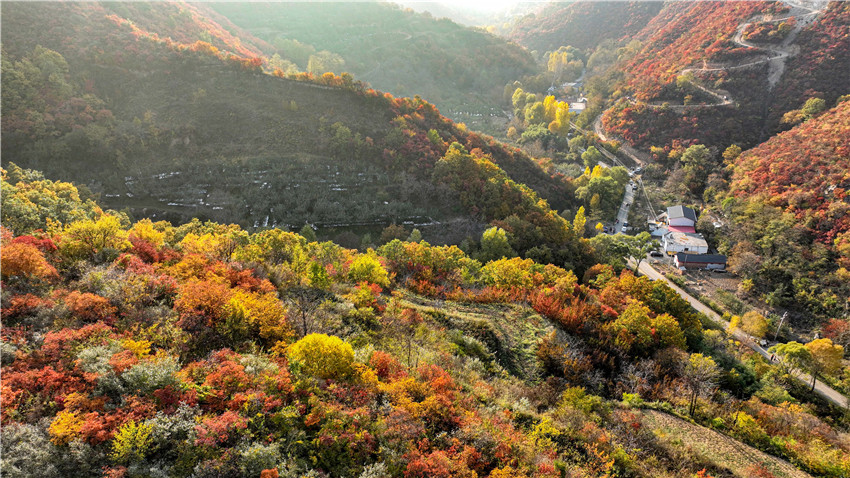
(590, 239)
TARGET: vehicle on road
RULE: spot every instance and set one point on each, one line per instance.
(719, 271)
(623, 230)
(656, 254)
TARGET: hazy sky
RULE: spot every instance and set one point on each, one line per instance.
(480, 5)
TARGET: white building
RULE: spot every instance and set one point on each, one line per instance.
(681, 216)
(691, 242)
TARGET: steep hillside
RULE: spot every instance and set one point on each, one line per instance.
(683, 34)
(791, 215)
(176, 131)
(689, 35)
(395, 50)
(582, 24)
(818, 69)
(704, 76)
(76, 25)
(144, 349)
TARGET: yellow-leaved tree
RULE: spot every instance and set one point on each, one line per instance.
(368, 268)
(323, 356)
(754, 324)
(89, 238)
(825, 358)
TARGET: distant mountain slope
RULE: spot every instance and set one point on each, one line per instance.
(820, 67)
(790, 212)
(176, 21)
(395, 50)
(805, 170)
(582, 24)
(721, 88)
(682, 34)
(179, 131)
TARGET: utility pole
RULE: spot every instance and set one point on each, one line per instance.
(780, 325)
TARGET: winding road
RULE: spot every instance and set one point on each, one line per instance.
(776, 56)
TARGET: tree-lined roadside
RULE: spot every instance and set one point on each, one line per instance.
(820, 388)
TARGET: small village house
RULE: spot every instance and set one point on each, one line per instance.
(680, 234)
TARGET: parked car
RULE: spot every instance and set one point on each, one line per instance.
(719, 271)
(624, 229)
(656, 254)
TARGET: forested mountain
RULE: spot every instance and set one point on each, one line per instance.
(175, 130)
(79, 26)
(581, 24)
(790, 229)
(817, 69)
(702, 75)
(393, 49)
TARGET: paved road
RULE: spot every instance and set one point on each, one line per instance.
(623, 213)
(822, 389)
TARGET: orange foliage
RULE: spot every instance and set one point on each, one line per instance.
(25, 260)
(205, 298)
(386, 366)
(23, 305)
(89, 307)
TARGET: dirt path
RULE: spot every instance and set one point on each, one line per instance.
(716, 447)
(625, 147)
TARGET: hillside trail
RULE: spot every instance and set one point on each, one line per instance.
(776, 55)
(722, 450)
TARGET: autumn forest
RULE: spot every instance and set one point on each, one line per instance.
(367, 240)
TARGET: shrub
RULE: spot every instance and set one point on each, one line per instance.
(27, 453)
(323, 356)
(132, 442)
(257, 457)
(368, 268)
(514, 272)
(89, 238)
(146, 377)
(218, 430)
(89, 307)
(98, 359)
(25, 260)
(176, 427)
(65, 427)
